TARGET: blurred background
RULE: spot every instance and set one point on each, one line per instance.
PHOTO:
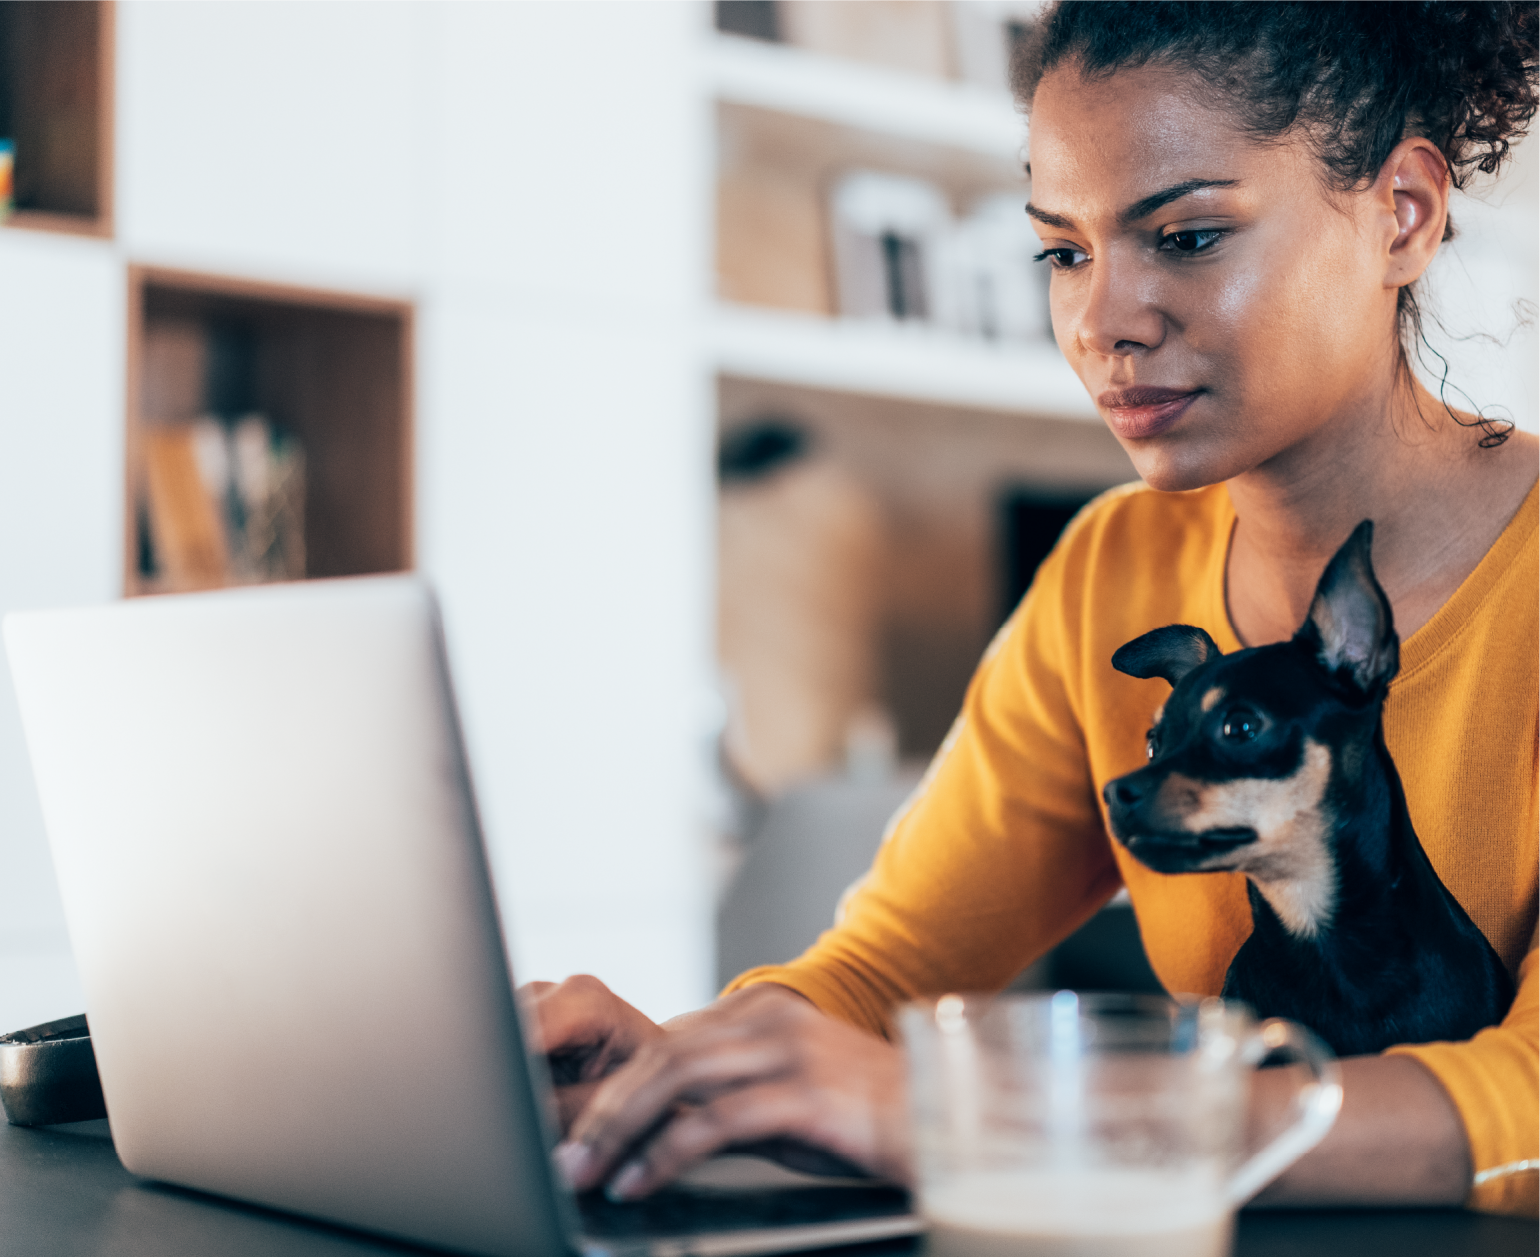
(691, 350)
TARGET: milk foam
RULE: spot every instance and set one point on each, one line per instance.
(1107, 1201)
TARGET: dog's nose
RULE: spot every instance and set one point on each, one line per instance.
(1124, 792)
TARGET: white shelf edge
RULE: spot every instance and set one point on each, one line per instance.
(864, 97)
(908, 362)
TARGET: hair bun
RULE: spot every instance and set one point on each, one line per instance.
(1482, 69)
(1358, 76)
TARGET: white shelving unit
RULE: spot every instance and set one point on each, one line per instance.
(863, 97)
(562, 436)
(936, 427)
(911, 362)
(857, 113)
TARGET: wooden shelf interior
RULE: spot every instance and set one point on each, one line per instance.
(774, 178)
(56, 106)
(945, 482)
(329, 371)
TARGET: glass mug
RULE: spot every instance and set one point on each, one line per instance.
(1096, 1125)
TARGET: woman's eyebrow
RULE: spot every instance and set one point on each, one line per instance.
(1153, 202)
(1139, 209)
(1049, 219)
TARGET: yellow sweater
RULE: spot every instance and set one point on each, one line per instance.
(1003, 850)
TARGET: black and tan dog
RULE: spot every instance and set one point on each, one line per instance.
(1272, 761)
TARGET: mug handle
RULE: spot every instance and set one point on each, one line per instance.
(1315, 1105)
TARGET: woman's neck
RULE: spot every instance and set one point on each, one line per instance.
(1438, 502)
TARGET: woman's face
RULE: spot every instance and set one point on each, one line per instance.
(1218, 305)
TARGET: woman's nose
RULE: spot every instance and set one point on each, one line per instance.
(1119, 318)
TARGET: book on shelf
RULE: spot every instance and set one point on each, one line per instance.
(755, 19)
(224, 504)
(1003, 293)
(7, 183)
(900, 254)
(890, 247)
(188, 539)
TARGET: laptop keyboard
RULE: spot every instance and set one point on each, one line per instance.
(695, 1211)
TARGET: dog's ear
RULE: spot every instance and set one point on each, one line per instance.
(1171, 652)
(1351, 627)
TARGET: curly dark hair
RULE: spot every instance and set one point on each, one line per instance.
(1354, 78)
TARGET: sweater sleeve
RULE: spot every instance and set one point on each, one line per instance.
(1494, 1081)
(998, 855)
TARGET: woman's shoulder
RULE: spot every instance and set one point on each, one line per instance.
(1134, 530)
(1131, 560)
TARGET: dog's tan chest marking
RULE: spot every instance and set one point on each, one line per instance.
(1290, 861)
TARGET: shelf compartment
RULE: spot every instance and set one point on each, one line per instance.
(909, 106)
(333, 371)
(904, 361)
(56, 92)
(775, 175)
(944, 480)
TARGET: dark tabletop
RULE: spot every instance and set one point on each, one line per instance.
(63, 1193)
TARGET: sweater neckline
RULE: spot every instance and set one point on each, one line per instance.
(1445, 623)
(1218, 580)
(1461, 607)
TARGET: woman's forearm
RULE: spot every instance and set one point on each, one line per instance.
(1399, 1139)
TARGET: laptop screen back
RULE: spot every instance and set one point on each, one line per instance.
(278, 900)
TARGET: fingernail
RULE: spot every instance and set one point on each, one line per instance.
(575, 1161)
(623, 1186)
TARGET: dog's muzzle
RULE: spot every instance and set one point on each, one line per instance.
(1157, 841)
(1179, 851)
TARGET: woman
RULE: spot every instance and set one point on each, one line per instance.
(1237, 201)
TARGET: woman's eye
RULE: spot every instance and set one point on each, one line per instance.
(1062, 259)
(1194, 241)
(1241, 725)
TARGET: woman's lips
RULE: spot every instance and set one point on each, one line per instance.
(1145, 412)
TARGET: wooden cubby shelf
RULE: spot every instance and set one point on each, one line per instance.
(323, 378)
(56, 93)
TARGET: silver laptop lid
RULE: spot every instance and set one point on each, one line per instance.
(265, 838)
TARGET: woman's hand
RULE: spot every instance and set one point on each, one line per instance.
(761, 1069)
(586, 1033)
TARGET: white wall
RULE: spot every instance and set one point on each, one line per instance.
(534, 176)
(61, 363)
(1482, 292)
(289, 141)
(568, 466)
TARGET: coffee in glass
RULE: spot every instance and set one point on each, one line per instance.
(1070, 1125)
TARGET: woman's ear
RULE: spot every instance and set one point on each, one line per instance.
(1414, 186)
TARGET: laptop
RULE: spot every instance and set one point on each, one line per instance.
(278, 897)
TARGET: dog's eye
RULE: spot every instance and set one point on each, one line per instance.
(1151, 748)
(1241, 724)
